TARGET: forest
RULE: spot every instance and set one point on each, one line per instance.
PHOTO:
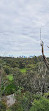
(24, 84)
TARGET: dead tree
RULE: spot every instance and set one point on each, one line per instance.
(47, 65)
(44, 58)
(0, 84)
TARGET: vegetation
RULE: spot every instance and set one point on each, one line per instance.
(10, 77)
(40, 105)
(28, 80)
(2, 106)
(23, 70)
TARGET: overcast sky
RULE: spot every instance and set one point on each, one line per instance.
(20, 22)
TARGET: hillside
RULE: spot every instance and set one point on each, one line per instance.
(28, 80)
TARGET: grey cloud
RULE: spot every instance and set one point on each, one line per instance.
(20, 22)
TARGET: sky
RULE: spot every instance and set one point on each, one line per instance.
(20, 23)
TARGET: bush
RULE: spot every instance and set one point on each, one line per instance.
(40, 105)
(7, 70)
(2, 106)
(16, 107)
(10, 89)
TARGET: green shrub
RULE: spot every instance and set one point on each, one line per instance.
(10, 77)
(40, 105)
(24, 99)
(2, 106)
(46, 95)
(7, 69)
(23, 70)
(36, 96)
(16, 107)
(10, 89)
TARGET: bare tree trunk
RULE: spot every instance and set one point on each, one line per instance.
(44, 58)
(0, 84)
